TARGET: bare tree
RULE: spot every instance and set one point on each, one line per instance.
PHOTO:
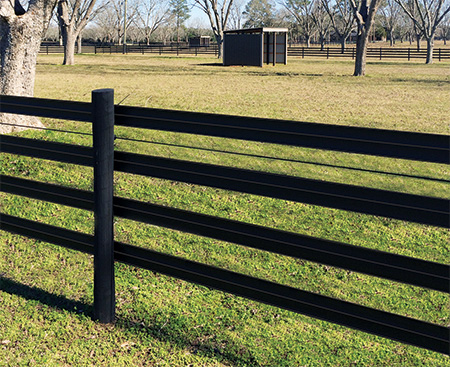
(107, 23)
(151, 15)
(364, 12)
(445, 29)
(236, 14)
(218, 12)
(302, 11)
(21, 32)
(426, 16)
(73, 15)
(390, 18)
(342, 19)
(322, 21)
(404, 30)
(165, 32)
(111, 20)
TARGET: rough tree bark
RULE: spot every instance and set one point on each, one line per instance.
(364, 15)
(21, 32)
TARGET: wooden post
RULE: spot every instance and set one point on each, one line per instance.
(103, 146)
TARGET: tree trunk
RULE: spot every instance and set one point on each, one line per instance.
(430, 47)
(322, 42)
(418, 38)
(360, 57)
(391, 38)
(342, 39)
(20, 39)
(79, 46)
(308, 41)
(219, 40)
(69, 39)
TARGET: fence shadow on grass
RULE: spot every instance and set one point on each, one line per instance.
(32, 293)
(169, 332)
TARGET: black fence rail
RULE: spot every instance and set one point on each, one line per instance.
(386, 143)
(137, 49)
(57, 49)
(380, 53)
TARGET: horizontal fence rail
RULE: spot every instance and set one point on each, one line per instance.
(395, 267)
(385, 143)
(414, 208)
(408, 53)
(136, 49)
(42, 107)
(400, 328)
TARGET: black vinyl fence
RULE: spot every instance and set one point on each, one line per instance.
(381, 53)
(104, 115)
(172, 49)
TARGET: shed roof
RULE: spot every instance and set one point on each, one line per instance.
(258, 30)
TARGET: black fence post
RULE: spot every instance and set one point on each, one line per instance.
(103, 143)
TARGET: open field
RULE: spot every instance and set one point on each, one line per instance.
(46, 291)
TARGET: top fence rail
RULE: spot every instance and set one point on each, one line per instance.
(379, 142)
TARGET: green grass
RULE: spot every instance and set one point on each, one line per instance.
(46, 291)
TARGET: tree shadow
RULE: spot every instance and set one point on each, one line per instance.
(170, 331)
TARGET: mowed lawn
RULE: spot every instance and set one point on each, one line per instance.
(46, 292)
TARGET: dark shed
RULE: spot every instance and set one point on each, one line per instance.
(199, 41)
(255, 47)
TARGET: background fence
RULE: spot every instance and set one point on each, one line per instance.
(380, 53)
(104, 115)
(440, 54)
(172, 49)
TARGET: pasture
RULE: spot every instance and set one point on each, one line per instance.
(46, 291)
